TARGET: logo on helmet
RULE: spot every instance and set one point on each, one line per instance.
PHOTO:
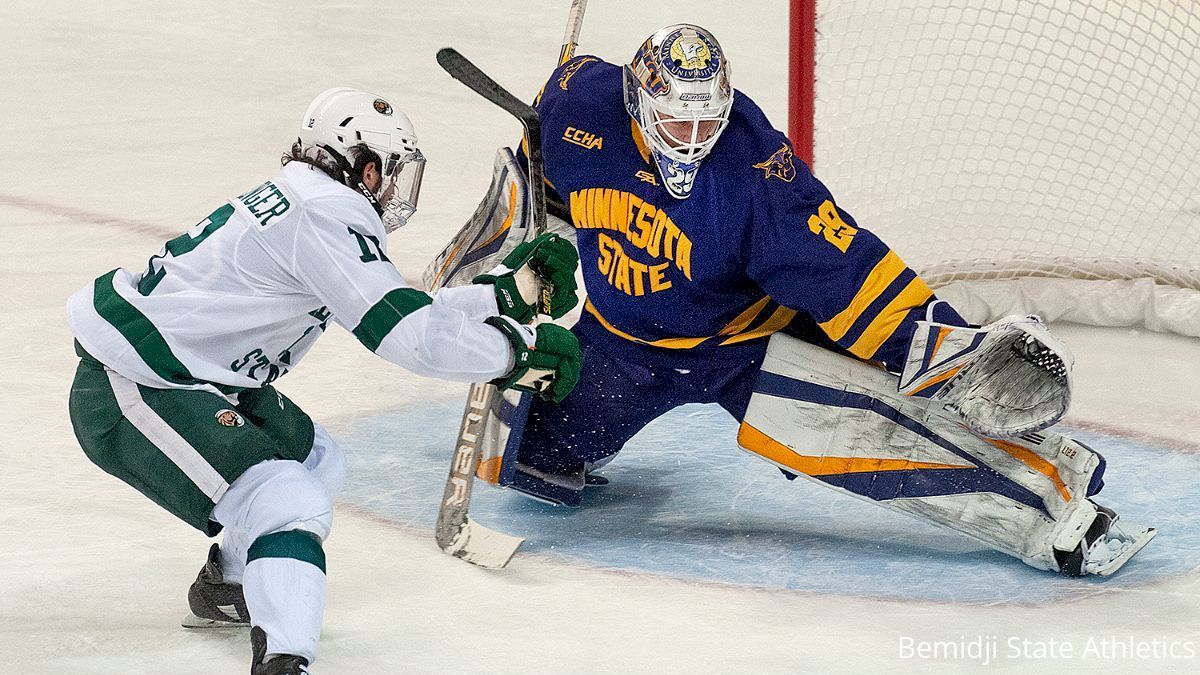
(644, 68)
(779, 165)
(689, 55)
(229, 418)
(383, 107)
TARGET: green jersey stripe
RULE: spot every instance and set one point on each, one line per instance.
(385, 314)
(295, 544)
(139, 331)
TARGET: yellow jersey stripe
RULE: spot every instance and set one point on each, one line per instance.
(780, 318)
(759, 443)
(881, 276)
(668, 343)
(745, 318)
(882, 327)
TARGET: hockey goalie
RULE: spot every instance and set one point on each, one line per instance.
(718, 269)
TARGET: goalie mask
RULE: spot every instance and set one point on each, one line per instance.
(344, 130)
(677, 90)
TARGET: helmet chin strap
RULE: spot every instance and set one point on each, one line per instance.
(352, 177)
(366, 192)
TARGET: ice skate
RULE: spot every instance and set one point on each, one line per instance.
(281, 664)
(1108, 544)
(215, 603)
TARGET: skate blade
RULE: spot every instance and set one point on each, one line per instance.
(193, 621)
(1138, 542)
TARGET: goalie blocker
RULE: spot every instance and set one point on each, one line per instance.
(842, 423)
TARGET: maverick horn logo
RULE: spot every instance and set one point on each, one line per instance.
(779, 165)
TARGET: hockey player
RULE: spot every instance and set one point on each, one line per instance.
(700, 236)
(174, 395)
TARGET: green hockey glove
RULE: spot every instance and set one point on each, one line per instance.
(546, 263)
(546, 359)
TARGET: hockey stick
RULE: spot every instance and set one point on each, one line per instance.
(571, 37)
(469, 74)
(456, 533)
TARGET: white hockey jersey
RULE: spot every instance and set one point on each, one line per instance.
(238, 300)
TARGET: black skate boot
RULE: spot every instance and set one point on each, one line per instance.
(215, 603)
(283, 664)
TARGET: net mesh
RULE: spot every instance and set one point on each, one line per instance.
(1001, 139)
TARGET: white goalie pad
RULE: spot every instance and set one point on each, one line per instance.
(1005, 379)
(500, 223)
(842, 423)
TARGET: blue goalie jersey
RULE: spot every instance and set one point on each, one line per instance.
(759, 245)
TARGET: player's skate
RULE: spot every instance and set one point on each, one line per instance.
(1108, 544)
(215, 603)
(282, 664)
(556, 489)
(560, 487)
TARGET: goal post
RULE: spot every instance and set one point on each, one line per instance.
(1023, 155)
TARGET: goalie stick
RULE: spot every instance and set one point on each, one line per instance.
(469, 74)
(456, 533)
(571, 37)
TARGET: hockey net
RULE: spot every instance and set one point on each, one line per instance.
(1023, 155)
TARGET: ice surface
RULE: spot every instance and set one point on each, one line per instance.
(127, 120)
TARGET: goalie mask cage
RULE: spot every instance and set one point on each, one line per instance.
(1022, 155)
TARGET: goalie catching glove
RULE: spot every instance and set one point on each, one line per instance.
(546, 358)
(547, 262)
(1005, 379)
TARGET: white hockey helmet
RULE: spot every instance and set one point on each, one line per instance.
(352, 128)
(677, 90)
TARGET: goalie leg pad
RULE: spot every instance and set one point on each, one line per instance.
(500, 223)
(840, 422)
(563, 441)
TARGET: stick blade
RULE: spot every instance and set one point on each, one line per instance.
(480, 546)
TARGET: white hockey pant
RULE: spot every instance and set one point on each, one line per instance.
(275, 516)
